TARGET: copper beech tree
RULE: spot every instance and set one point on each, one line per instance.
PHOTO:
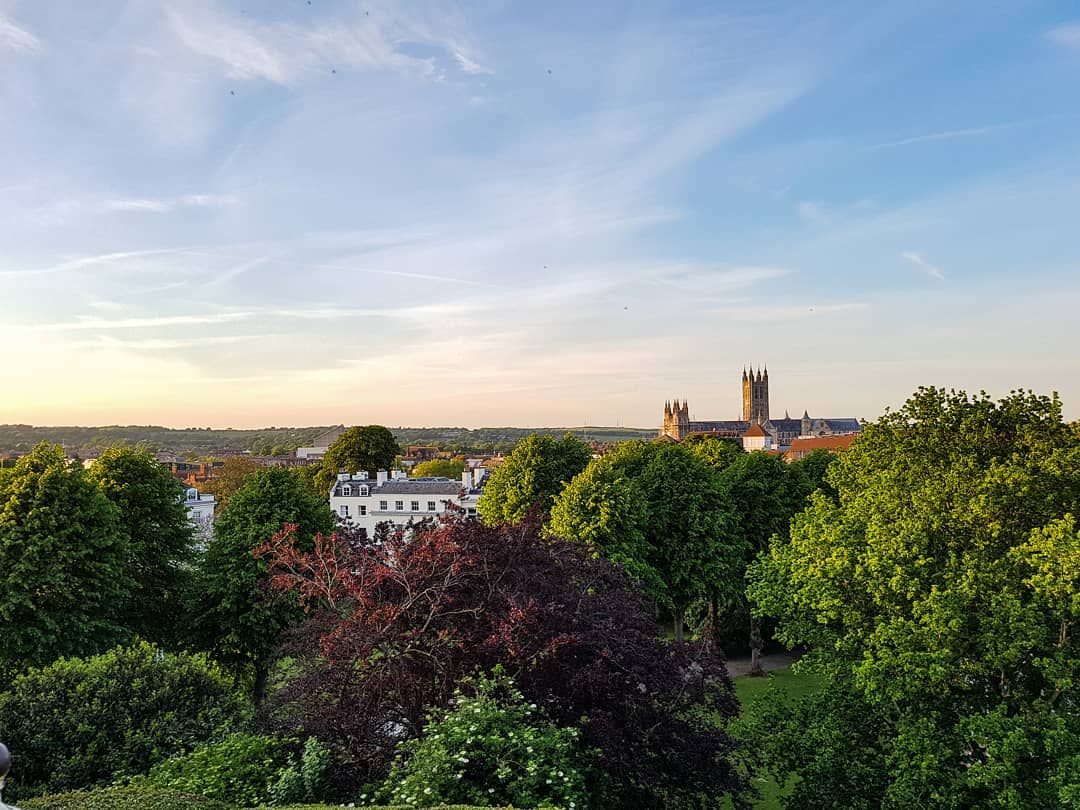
(394, 625)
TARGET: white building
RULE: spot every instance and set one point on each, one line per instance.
(364, 502)
(321, 444)
(200, 509)
(756, 438)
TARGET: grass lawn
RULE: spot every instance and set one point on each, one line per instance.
(795, 686)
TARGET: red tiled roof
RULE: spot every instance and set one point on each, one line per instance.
(841, 442)
(755, 430)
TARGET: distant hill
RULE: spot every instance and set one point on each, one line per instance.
(200, 442)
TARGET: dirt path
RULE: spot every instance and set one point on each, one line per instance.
(769, 662)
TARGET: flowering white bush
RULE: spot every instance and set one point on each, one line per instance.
(491, 749)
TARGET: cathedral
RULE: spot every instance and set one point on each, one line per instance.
(755, 411)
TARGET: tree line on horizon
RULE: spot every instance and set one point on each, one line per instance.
(203, 443)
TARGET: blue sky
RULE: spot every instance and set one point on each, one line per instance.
(262, 212)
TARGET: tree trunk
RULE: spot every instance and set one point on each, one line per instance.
(261, 676)
(757, 643)
(678, 624)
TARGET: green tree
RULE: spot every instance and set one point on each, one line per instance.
(232, 617)
(308, 476)
(64, 577)
(765, 493)
(661, 512)
(226, 480)
(83, 722)
(445, 467)
(814, 467)
(371, 448)
(942, 585)
(158, 532)
(720, 452)
(531, 476)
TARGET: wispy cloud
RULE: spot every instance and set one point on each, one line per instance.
(165, 204)
(1067, 35)
(917, 260)
(287, 53)
(16, 38)
(84, 262)
(967, 132)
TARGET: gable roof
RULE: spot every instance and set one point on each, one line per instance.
(833, 443)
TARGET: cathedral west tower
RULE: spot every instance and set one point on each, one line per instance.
(755, 396)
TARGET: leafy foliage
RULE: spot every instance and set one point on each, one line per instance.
(660, 511)
(764, 492)
(227, 479)
(306, 780)
(942, 582)
(397, 623)
(124, 798)
(444, 467)
(240, 770)
(531, 477)
(835, 740)
(84, 722)
(158, 532)
(64, 560)
(489, 747)
(370, 447)
(719, 452)
(232, 617)
(814, 467)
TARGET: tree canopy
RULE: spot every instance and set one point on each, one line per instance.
(660, 511)
(719, 451)
(370, 447)
(764, 493)
(232, 617)
(941, 586)
(227, 479)
(396, 624)
(158, 532)
(64, 563)
(445, 467)
(531, 476)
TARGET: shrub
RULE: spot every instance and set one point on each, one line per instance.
(84, 722)
(124, 798)
(492, 747)
(246, 769)
(239, 769)
(306, 780)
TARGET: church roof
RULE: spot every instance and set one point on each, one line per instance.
(754, 431)
(723, 426)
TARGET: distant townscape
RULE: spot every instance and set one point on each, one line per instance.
(758, 430)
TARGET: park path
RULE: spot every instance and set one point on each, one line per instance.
(769, 662)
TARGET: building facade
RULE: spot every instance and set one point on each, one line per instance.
(782, 432)
(363, 502)
(200, 509)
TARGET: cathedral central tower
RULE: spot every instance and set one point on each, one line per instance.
(755, 396)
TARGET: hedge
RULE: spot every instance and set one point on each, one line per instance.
(123, 798)
(137, 798)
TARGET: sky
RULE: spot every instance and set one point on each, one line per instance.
(418, 212)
